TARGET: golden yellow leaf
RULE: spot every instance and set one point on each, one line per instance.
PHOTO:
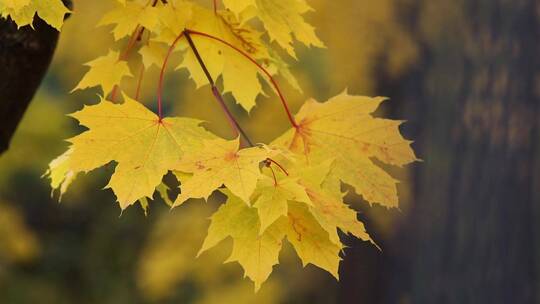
(283, 21)
(344, 129)
(239, 74)
(296, 196)
(60, 173)
(328, 207)
(163, 189)
(23, 11)
(106, 71)
(153, 53)
(256, 253)
(273, 196)
(238, 6)
(310, 240)
(173, 19)
(221, 162)
(126, 17)
(14, 4)
(321, 192)
(144, 147)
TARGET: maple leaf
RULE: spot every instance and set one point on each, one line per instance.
(238, 6)
(60, 174)
(161, 191)
(320, 191)
(283, 21)
(306, 207)
(256, 253)
(23, 11)
(173, 19)
(296, 195)
(240, 75)
(106, 71)
(344, 129)
(127, 16)
(145, 205)
(14, 4)
(327, 205)
(310, 241)
(144, 147)
(278, 66)
(153, 54)
(273, 197)
(221, 162)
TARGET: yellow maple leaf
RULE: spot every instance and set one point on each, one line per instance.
(173, 19)
(221, 162)
(162, 191)
(257, 254)
(333, 142)
(344, 129)
(328, 207)
(126, 17)
(320, 191)
(238, 6)
(14, 4)
(278, 66)
(240, 75)
(106, 71)
(272, 197)
(23, 11)
(60, 173)
(153, 53)
(144, 147)
(283, 21)
(310, 241)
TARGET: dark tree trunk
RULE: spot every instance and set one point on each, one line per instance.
(475, 207)
(25, 55)
(473, 105)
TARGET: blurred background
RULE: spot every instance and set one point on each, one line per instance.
(463, 73)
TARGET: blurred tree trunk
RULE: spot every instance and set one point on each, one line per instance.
(473, 105)
(25, 55)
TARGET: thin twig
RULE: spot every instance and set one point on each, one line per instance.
(235, 125)
(265, 71)
(162, 75)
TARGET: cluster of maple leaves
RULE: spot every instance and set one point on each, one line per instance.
(23, 11)
(287, 189)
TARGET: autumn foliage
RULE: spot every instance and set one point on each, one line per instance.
(289, 188)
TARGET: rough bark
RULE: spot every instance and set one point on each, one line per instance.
(473, 108)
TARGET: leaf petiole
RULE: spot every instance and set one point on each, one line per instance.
(265, 71)
(162, 75)
(270, 161)
(235, 125)
(131, 43)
